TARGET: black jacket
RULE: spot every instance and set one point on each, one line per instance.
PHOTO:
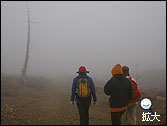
(120, 90)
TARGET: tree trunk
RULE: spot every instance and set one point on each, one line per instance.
(27, 50)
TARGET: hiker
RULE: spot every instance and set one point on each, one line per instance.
(120, 91)
(131, 111)
(82, 91)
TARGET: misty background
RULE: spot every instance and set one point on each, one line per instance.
(95, 34)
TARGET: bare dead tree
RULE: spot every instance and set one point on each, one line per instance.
(28, 45)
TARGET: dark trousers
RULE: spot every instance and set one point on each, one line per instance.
(83, 108)
(116, 117)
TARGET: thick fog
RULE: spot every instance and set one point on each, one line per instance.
(95, 34)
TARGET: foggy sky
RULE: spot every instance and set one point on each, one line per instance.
(92, 33)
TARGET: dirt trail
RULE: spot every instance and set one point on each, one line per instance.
(67, 114)
(34, 104)
(44, 102)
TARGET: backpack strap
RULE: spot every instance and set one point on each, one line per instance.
(132, 79)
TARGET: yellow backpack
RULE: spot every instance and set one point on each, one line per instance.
(83, 88)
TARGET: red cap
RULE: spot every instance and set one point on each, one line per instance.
(82, 69)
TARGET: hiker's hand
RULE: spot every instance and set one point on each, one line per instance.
(72, 102)
(95, 102)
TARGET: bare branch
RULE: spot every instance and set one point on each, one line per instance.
(34, 22)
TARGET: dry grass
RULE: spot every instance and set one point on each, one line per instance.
(41, 101)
